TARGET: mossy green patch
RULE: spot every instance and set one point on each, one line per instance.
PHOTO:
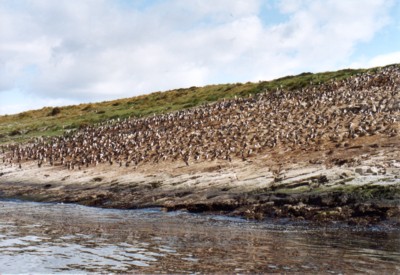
(366, 192)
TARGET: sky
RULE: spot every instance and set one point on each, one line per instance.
(55, 53)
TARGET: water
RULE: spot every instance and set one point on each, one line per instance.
(49, 238)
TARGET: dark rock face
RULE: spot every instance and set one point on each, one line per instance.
(352, 205)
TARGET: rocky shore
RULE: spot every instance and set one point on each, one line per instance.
(357, 183)
(323, 153)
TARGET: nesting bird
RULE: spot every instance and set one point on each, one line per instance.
(366, 104)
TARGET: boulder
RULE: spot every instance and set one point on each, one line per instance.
(373, 170)
(367, 170)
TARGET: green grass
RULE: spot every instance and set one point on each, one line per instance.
(50, 121)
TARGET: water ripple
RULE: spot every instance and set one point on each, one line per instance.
(47, 238)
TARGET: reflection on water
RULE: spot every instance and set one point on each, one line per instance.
(71, 238)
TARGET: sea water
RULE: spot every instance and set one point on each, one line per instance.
(57, 238)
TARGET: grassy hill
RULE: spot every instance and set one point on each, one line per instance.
(50, 121)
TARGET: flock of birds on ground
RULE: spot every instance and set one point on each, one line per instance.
(366, 104)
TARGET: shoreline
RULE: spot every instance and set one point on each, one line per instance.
(358, 184)
(323, 153)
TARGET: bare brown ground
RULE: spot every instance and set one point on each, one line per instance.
(355, 182)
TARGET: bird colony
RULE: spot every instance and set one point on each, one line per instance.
(240, 128)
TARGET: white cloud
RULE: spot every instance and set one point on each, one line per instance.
(385, 59)
(91, 50)
(324, 33)
(14, 101)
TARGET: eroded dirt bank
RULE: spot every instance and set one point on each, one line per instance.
(357, 183)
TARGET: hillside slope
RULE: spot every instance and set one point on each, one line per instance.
(50, 121)
(321, 152)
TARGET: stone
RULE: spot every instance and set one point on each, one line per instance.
(396, 164)
(373, 170)
(366, 170)
(361, 170)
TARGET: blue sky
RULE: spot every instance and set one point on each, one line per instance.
(73, 51)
